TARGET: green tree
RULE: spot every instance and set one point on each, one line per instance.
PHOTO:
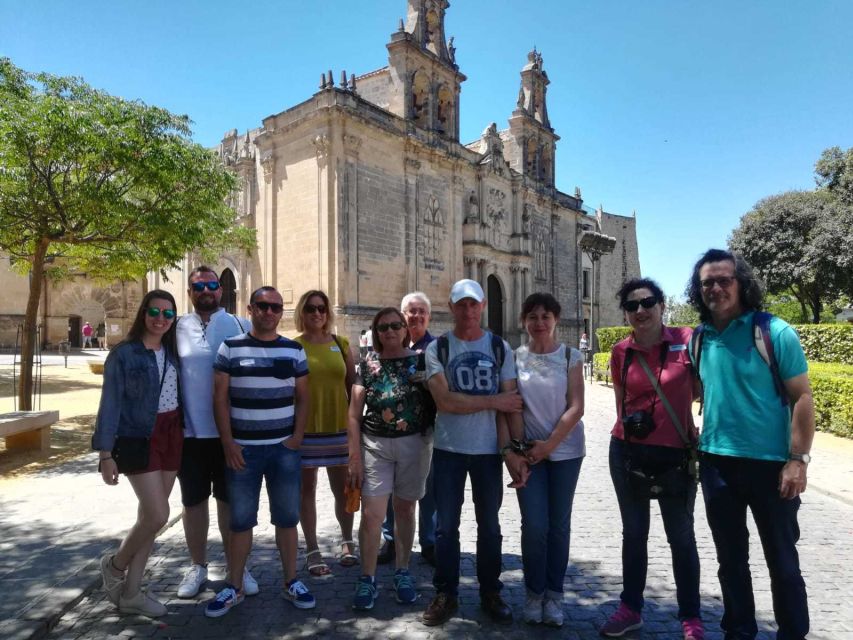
(798, 243)
(92, 183)
(680, 313)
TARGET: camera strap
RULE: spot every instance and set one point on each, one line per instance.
(673, 416)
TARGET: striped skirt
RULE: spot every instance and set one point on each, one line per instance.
(324, 449)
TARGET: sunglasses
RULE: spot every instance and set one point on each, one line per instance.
(168, 314)
(394, 326)
(724, 281)
(314, 308)
(275, 307)
(198, 287)
(647, 303)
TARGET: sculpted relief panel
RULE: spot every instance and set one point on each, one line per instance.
(496, 221)
(433, 235)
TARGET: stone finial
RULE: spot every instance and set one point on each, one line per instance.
(322, 81)
(401, 27)
(343, 79)
(331, 79)
(352, 82)
(578, 193)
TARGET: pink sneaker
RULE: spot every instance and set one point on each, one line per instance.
(693, 629)
(621, 622)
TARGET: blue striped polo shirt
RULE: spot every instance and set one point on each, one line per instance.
(262, 387)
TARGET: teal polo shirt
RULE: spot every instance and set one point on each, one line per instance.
(744, 417)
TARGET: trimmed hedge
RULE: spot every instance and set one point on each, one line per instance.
(832, 389)
(600, 362)
(827, 342)
(608, 336)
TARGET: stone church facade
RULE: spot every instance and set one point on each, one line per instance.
(365, 191)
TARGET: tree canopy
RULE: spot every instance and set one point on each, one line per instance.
(96, 184)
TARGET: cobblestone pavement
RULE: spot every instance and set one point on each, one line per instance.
(593, 579)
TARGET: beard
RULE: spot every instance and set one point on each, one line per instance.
(206, 304)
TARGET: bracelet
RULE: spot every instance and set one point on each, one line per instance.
(504, 450)
(106, 458)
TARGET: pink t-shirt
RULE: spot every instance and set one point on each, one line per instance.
(676, 381)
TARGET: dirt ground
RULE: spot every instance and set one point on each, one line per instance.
(75, 393)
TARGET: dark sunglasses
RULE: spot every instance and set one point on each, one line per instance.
(724, 281)
(198, 287)
(275, 307)
(647, 303)
(314, 308)
(169, 314)
(394, 326)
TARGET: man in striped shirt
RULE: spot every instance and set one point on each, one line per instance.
(261, 406)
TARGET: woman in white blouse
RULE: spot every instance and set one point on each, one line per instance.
(550, 380)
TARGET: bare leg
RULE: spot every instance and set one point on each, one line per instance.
(404, 530)
(286, 540)
(223, 517)
(152, 489)
(337, 481)
(308, 508)
(372, 514)
(241, 544)
(196, 520)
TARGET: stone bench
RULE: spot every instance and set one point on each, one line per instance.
(27, 429)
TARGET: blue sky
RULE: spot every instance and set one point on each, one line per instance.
(686, 112)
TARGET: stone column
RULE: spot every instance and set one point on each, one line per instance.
(470, 267)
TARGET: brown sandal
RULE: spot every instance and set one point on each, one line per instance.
(318, 569)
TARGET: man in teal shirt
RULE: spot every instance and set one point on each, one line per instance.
(754, 445)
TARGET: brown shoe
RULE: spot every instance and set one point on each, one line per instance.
(440, 610)
(498, 610)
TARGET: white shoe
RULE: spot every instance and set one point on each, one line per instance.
(250, 585)
(553, 613)
(113, 584)
(143, 604)
(533, 610)
(193, 581)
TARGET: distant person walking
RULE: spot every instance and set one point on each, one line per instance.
(139, 433)
(87, 332)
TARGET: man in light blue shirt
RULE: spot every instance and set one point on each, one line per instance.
(755, 443)
(471, 375)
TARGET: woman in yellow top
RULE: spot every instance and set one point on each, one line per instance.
(331, 374)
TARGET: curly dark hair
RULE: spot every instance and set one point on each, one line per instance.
(639, 283)
(751, 288)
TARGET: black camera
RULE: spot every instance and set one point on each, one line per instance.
(638, 425)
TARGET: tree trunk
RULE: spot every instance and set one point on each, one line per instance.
(28, 339)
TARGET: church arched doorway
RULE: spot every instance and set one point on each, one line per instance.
(229, 291)
(495, 307)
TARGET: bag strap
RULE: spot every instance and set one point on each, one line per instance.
(340, 348)
(673, 416)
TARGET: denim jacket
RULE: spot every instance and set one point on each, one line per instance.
(130, 395)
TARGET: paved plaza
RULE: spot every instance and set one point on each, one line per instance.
(55, 523)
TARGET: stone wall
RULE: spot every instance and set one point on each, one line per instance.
(617, 267)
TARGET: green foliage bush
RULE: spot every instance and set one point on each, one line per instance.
(832, 389)
(601, 364)
(608, 336)
(827, 342)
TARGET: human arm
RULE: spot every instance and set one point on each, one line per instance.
(222, 416)
(792, 478)
(109, 412)
(449, 401)
(349, 363)
(302, 398)
(355, 471)
(541, 449)
(510, 426)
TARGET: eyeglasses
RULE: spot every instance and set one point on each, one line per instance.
(314, 308)
(168, 314)
(198, 287)
(393, 326)
(647, 303)
(275, 307)
(724, 281)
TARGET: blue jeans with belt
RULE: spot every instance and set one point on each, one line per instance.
(546, 517)
(677, 513)
(730, 486)
(451, 472)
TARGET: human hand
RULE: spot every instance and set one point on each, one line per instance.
(508, 401)
(539, 450)
(233, 455)
(792, 479)
(293, 442)
(518, 468)
(355, 471)
(109, 470)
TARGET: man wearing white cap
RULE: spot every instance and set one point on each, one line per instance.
(471, 375)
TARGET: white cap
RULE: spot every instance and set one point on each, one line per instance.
(466, 289)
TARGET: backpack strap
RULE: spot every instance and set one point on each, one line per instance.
(498, 351)
(764, 347)
(696, 356)
(443, 349)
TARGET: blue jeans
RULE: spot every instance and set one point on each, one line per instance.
(731, 485)
(282, 469)
(546, 525)
(677, 513)
(451, 471)
(426, 516)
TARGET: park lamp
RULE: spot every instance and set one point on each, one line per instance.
(595, 245)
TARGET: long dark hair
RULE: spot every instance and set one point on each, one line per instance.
(137, 329)
(377, 343)
(751, 289)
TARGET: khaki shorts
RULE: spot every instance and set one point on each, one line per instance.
(396, 465)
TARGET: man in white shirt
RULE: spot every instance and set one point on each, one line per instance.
(199, 336)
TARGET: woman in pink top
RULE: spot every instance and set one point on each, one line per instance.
(649, 456)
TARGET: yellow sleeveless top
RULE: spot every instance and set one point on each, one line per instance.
(326, 375)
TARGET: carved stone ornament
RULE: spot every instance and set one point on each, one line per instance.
(473, 214)
(352, 143)
(525, 219)
(413, 164)
(267, 164)
(433, 226)
(321, 145)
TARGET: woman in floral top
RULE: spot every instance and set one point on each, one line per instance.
(389, 451)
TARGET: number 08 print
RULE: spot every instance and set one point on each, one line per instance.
(474, 373)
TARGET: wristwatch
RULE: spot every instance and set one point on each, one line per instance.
(800, 457)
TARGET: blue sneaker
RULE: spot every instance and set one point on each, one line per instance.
(298, 594)
(365, 594)
(222, 603)
(404, 587)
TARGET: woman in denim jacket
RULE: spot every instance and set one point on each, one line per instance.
(139, 399)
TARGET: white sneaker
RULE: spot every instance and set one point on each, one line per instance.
(193, 580)
(113, 584)
(250, 585)
(553, 613)
(143, 604)
(533, 610)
